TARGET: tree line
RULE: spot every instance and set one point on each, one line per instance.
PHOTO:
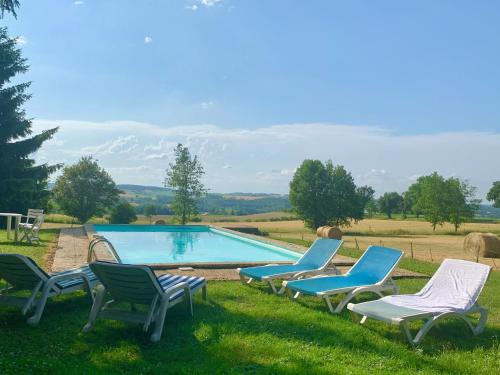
(325, 194)
(437, 199)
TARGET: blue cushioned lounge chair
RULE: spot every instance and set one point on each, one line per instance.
(371, 273)
(137, 284)
(22, 273)
(313, 262)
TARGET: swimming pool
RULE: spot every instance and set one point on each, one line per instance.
(165, 244)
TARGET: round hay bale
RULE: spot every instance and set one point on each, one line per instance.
(332, 232)
(319, 231)
(485, 245)
(329, 232)
(160, 222)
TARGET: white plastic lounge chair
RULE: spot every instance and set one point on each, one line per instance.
(371, 273)
(31, 226)
(452, 292)
(22, 273)
(313, 262)
(137, 284)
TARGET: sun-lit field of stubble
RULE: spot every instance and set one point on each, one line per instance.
(407, 235)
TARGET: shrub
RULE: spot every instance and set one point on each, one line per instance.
(123, 213)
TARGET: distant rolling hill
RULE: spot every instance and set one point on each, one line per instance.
(213, 203)
(489, 211)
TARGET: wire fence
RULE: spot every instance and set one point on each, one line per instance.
(427, 248)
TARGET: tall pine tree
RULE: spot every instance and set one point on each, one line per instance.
(22, 183)
(8, 6)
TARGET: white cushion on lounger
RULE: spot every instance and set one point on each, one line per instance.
(455, 287)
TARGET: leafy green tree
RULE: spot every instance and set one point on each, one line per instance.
(149, 211)
(389, 203)
(184, 177)
(324, 194)
(365, 195)
(430, 194)
(22, 183)
(371, 207)
(406, 204)
(461, 203)
(85, 190)
(8, 6)
(494, 194)
(411, 196)
(123, 213)
(343, 201)
(308, 193)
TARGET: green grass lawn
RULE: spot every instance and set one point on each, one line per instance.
(36, 251)
(242, 329)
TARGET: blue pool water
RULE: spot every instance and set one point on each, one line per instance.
(138, 244)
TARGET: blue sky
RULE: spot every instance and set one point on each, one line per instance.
(399, 70)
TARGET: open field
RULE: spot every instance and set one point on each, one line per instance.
(242, 330)
(401, 234)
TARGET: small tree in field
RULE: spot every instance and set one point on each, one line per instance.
(461, 203)
(389, 203)
(325, 194)
(123, 213)
(149, 211)
(184, 177)
(84, 190)
(430, 192)
(308, 193)
(494, 194)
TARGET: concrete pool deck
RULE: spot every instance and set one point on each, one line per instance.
(72, 247)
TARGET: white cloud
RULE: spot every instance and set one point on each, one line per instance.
(78, 2)
(210, 3)
(21, 40)
(207, 104)
(148, 39)
(193, 7)
(120, 145)
(264, 159)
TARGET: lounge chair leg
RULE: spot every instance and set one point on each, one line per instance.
(354, 317)
(282, 289)
(204, 292)
(329, 305)
(404, 328)
(483, 311)
(160, 320)
(151, 314)
(40, 305)
(244, 280)
(296, 295)
(29, 303)
(363, 319)
(273, 288)
(189, 301)
(96, 307)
